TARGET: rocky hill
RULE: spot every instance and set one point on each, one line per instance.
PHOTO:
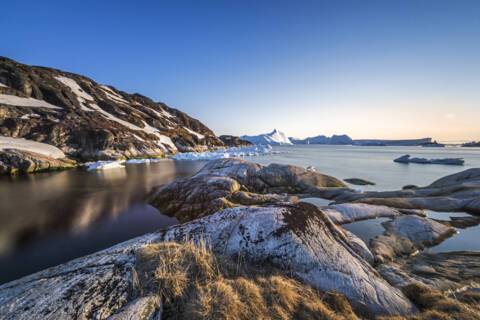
(89, 121)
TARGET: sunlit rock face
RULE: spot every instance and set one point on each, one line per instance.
(297, 239)
(225, 183)
(91, 121)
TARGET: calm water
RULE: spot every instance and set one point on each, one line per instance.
(50, 218)
(374, 163)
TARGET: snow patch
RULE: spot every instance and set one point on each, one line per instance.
(25, 102)
(198, 135)
(29, 115)
(32, 146)
(225, 153)
(2, 85)
(82, 96)
(113, 95)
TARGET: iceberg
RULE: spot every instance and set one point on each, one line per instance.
(275, 138)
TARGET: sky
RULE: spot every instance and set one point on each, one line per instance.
(369, 69)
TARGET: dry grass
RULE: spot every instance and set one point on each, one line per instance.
(196, 284)
(434, 305)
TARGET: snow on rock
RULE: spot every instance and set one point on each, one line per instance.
(82, 96)
(104, 165)
(198, 135)
(29, 115)
(25, 102)
(2, 85)
(32, 146)
(301, 240)
(113, 95)
(275, 137)
(225, 153)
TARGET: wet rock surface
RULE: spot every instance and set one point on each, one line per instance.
(351, 212)
(90, 121)
(359, 182)
(225, 183)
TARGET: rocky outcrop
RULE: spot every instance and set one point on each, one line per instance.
(225, 183)
(359, 182)
(442, 271)
(233, 141)
(90, 121)
(301, 239)
(14, 161)
(297, 239)
(406, 235)
(448, 161)
(456, 192)
(351, 212)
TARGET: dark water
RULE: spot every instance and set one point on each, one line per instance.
(50, 218)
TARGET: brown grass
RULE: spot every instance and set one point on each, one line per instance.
(434, 305)
(196, 284)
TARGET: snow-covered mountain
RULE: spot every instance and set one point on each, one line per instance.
(275, 137)
(90, 121)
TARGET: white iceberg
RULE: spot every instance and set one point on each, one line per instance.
(275, 138)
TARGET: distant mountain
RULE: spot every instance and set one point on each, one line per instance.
(471, 144)
(275, 138)
(90, 121)
(334, 140)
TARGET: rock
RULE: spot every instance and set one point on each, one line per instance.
(457, 192)
(448, 161)
(297, 239)
(351, 212)
(233, 141)
(406, 234)
(442, 271)
(301, 239)
(18, 161)
(96, 286)
(90, 121)
(359, 182)
(225, 183)
(409, 187)
(358, 246)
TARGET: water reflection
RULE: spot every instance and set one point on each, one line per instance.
(47, 215)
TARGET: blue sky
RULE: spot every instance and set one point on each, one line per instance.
(385, 69)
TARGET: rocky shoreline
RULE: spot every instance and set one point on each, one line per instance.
(253, 213)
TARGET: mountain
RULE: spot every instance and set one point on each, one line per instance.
(275, 138)
(89, 121)
(335, 139)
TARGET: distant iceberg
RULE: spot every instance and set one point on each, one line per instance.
(225, 153)
(274, 138)
(447, 161)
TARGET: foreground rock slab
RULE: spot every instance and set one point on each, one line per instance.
(225, 183)
(301, 239)
(298, 239)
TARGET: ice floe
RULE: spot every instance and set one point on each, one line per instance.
(105, 165)
(225, 153)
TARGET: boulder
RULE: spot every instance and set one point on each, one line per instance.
(225, 183)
